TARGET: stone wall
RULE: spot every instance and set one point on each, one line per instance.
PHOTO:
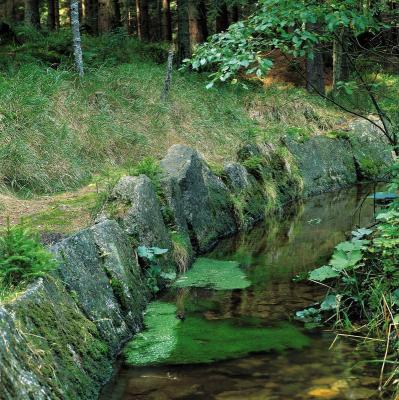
(58, 339)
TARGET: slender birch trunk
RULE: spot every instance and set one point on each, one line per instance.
(77, 48)
(168, 77)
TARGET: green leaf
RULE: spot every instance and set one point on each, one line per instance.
(323, 273)
(342, 260)
(330, 303)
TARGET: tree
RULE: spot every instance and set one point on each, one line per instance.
(32, 14)
(77, 48)
(222, 17)
(53, 16)
(166, 21)
(143, 23)
(197, 22)
(289, 25)
(109, 15)
(91, 16)
(183, 31)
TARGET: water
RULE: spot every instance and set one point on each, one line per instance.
(271, 255)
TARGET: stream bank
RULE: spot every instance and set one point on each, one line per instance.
(298, 364)
(58, 339)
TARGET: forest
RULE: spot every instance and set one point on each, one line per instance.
(199, 199)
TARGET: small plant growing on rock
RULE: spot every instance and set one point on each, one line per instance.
(22, 257)
(154, 274)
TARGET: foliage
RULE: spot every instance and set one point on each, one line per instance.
(168, 340)
(154, 273)
(287, 25)
(22, 257)
(150, 167)
(214, 274)
(363, 273)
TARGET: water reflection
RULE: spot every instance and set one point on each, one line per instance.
(272, 254)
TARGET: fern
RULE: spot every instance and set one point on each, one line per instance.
(22, 257)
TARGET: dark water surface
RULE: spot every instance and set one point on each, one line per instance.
(271, 255)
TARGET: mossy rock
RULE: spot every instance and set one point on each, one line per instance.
(53, 345)
(371, 150)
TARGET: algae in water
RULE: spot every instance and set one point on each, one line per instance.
(168, 340)
(214, 274)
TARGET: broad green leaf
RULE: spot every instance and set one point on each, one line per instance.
(323, 273)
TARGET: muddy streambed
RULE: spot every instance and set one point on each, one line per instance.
(243, 343)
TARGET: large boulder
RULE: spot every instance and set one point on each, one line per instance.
(237, 176)
(325, 164)
(371, 149)
(81, 270)
(275, 169)
(142, 217)
(48, 348)
(248, 196)
(199, 200)
(124, 273)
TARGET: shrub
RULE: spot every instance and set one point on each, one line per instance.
(22, 257)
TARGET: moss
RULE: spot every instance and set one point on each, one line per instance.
(63, 215)
(217, 169)
(254, 165)
(73, 360)
(337, 134)
(369, 168)
(301, 135)
(215, 274)
(167, 340)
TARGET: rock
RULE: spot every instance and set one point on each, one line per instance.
(325, 164)
(82, 272)
(123, 271)
(238, 178)
(13, 365)
(48, 348)
(371, 149)
(249, 150)
(323, 393)
(199, 200)
(142, 218)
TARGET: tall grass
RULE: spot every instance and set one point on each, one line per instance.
(57, 131)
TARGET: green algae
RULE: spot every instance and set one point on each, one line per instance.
(158, 340)
(168, 340)
(214, 274)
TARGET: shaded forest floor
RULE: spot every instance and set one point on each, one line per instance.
(63, 141)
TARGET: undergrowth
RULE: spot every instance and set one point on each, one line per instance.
(363, 281)
(22, 259)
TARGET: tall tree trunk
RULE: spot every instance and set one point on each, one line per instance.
(198, 24)
(340, 60)
(315, 73)
(51, 15)
(77, 48)
(91, 16)
(57, 14)
(183, 31)
(108, 15)
(166, 21)
(235, 13)
(143, 24)
(222, 18)
(32, 15)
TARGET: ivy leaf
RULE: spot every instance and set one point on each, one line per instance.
(323, 273)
